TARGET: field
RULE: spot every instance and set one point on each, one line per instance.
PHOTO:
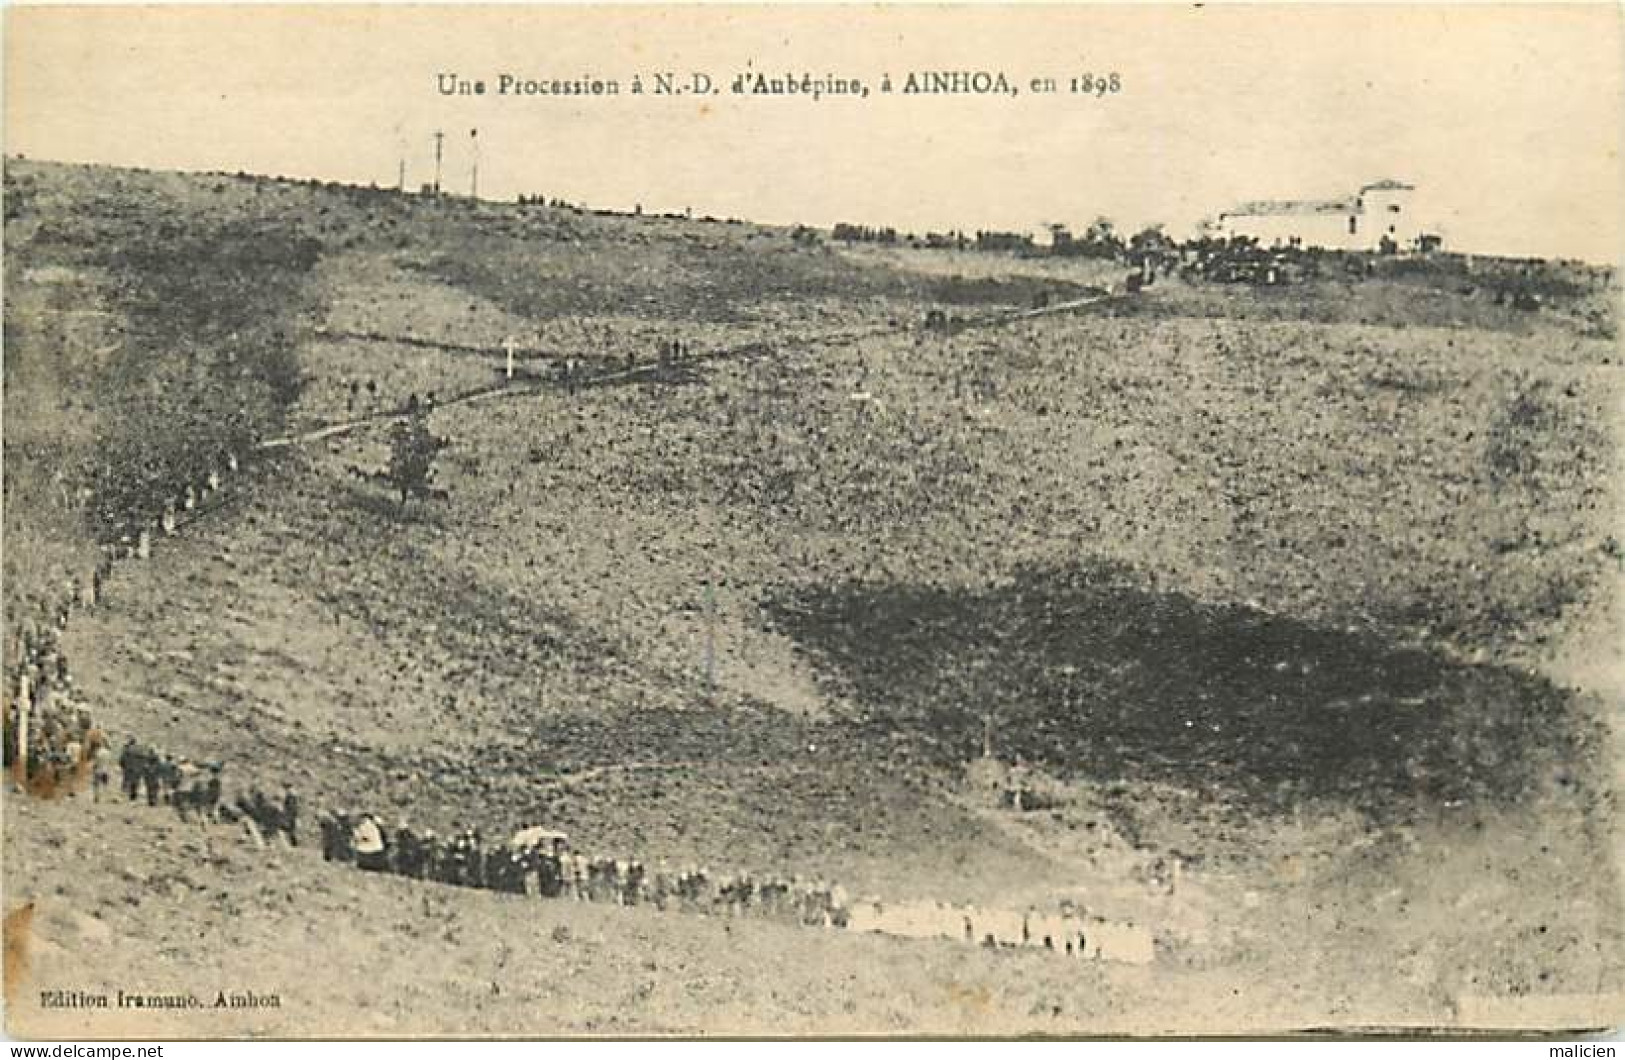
(1313, 593)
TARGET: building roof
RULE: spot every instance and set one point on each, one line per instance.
(1291, 208)
(1314, 207)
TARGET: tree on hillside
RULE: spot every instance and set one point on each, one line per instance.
(1151, 240)
(1100, 239)
(1100, 230)
(412, 451)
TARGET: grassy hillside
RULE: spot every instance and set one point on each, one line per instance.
(108, 897)
(145, 339)
(1296, 600)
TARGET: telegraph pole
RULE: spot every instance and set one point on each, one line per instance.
(402, 148)
(439, 139)
(474, 175)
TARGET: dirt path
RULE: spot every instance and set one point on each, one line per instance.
(1044, 311)
(533, 385)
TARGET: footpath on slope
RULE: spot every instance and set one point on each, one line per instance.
(530, 383)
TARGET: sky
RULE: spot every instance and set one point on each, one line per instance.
(1507, 118)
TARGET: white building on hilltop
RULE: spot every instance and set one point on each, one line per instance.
(1363, 221)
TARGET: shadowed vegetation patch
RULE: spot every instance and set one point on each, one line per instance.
(1094, 677)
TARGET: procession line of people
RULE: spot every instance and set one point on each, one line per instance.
(53, 747)
(542, 865)
(50, 744)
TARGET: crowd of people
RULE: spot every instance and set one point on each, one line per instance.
(540, 864)
(52, 743)
(196, 792)
(67, 752)
(544, 866)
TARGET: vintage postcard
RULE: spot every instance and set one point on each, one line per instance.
(698, 520)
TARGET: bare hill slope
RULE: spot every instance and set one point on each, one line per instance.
(1290, 603)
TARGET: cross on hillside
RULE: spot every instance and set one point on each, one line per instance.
(509, 345)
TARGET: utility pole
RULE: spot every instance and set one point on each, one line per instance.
(401, 185)
(439, 138)
(474, 175)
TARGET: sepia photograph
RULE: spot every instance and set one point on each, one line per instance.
(812, 521)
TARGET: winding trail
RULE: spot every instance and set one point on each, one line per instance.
(528, 384)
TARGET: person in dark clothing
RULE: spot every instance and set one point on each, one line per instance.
(431, 858)
(632, 883)
(549, 878)
(290, 816)
(243, 808)
(211, 792)
(343, 836)
(132, 768)
(154, 776)
(265, 814)
(328, 827)
(406, 851)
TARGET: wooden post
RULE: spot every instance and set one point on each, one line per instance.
(25, 702)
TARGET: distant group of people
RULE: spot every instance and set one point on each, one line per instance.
(207, 477)
(359, 397)
(546, 868)
(66, 751)
(1142, 277)
(464, 859)
(169, 780)
(543, 866)
(674, 350)
(268, 817)
(573, 371)
(1067, 930)
(364, 400)
(51, 742)
(196, 792)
